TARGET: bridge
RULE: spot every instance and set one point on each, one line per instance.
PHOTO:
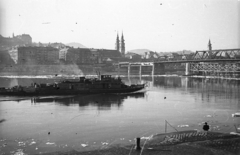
(222, 62)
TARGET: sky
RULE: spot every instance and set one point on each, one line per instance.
(157, 25)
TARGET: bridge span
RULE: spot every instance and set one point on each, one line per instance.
(224, 63)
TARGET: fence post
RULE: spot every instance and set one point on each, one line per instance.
(165, 126)
(138, 144)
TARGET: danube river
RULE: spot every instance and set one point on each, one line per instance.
(81, 123)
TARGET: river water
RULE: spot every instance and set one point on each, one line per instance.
(81, 123)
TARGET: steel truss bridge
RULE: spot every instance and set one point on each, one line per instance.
(223, 62)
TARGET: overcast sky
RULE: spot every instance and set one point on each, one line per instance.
(158, 25)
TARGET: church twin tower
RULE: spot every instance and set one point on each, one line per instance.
(122, 43)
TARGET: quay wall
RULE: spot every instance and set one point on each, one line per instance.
(71, 69)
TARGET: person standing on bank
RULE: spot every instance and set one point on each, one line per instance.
(205, 127)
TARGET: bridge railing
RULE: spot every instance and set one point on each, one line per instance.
(218, 54)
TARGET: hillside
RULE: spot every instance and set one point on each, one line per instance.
(178, 52)
(139, 51)
(76, 45)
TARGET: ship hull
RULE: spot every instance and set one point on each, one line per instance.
(72, 92)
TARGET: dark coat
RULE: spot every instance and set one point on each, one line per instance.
(206, 127)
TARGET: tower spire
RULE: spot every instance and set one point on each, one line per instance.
(117, 46)
(122, 45)
(209, 45)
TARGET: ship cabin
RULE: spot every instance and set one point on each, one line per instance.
(107, 82)
(74, 85)
(106, 77)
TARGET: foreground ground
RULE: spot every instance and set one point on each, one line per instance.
(175, 143)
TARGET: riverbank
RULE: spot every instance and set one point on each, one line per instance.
(189, 142)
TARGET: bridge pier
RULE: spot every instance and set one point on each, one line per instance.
(140, 70)
(187, 70)
(118, 70)
(153, 69)
(129, 67)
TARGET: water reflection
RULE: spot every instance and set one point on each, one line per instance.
(214, 91)
(102, 101)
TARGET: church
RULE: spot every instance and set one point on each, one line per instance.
(120, 45)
